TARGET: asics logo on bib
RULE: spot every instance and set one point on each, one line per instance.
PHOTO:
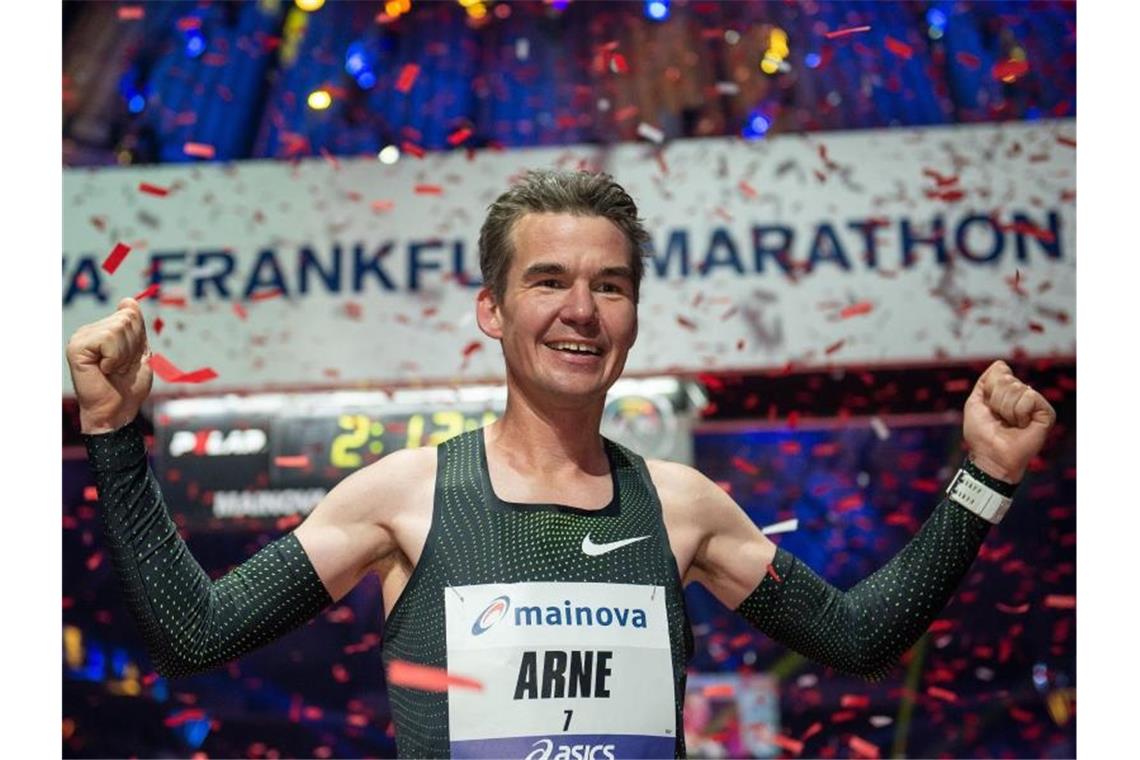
(495, 612)
(570, 751)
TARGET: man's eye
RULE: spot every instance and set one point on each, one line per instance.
(609, 287)
(549, 284)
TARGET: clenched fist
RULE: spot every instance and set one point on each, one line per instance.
(1005, 423)
(109, 369)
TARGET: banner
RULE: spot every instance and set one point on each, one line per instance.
(855, 248)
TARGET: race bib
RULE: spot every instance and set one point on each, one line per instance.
(570, 671)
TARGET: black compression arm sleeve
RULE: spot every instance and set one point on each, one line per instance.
(866, 629)
(189, 622)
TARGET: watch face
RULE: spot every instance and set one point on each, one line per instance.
(644, 424)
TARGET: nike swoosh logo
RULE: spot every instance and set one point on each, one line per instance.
(596, 550)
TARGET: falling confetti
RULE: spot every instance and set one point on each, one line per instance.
(166, 370)
(198, 150)
(426, 678)
(115, 257)
(407, 77)
(149, 189)
(845, 32)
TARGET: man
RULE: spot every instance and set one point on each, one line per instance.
(533, 556)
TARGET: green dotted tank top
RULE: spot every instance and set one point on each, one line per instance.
(579, 587)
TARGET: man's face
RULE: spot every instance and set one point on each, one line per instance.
(567, 318)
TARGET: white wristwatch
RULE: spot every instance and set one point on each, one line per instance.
(977, 497)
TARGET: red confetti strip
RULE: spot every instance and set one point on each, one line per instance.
(688, 324)
(834, 346)
(240, 311)
(198, 150)
(1059, 602)
(1070, 142)
(1009, 69)
(382, 205)
(427, 678)
(300, 461)
(858, 701)
(429, 190)
(131, 13)
(863, 747)
(115, 257)
(719, 691)
(459, 136)
(149, 189)
(266, 295)
(944, 694)
(940, 180)
(91, 493)
(330, 158)
(166, 370)
(968, 60)
(1009, 609)
(844, 32)
(899, 48)
(186, 23)
(95, 560)
(854, 310)
(158, 325)
(407, 77)
(182, 716)
(771, 570)
(812, 730)
(471, 348)
(148, 292)
(745, 466)
(747, 189)
(410, 147)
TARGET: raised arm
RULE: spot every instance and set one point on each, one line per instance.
(189, 622)
(865, 629)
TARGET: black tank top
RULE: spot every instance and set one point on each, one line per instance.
(572, 621)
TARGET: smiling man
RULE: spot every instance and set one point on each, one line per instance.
(535, 556)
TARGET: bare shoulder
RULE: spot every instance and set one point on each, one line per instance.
(384, 490)
(688, 494)
(676, 482)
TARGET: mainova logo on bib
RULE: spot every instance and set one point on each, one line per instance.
(495, 612)
(554, 615)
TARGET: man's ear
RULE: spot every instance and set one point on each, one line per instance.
(487, 314)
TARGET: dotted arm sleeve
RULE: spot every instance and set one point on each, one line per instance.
(189, 622)
(865, 630)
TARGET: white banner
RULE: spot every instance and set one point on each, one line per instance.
(871, 247)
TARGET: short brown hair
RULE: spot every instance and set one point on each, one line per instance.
(557, 192)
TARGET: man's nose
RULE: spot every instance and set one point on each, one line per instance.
(579, 306)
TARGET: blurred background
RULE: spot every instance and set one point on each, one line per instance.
(259, 139)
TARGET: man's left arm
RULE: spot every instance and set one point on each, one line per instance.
(865, 629)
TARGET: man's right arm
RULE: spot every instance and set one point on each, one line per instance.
(189, 622)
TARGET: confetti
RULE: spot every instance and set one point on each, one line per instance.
(428, 190)
(459, 136)
(688, 324)
(115, 257)
(785, 526)
(131, 13)
(968, 60)
(330, 158)
(834, 347)
(743, 465)
(747, 189)
(878, 721)
(857, 701)
(148, 292)
(899, 48)
(719, 691)
(94, 560)
(651, 133)
(862, 747)
(266, 295)
(1009, 70)
(854, 310)
(1060, 602)
(198, 150)
(149, 189)
(426, 678)
(299, 461)
(844, 32)
(90, 493)
(240, 311)
(158, 325)
(771, 570)
(166, 370)
(880, 428)
(812, 730)
(407, 77)
(1069, 141)
(944, 694)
